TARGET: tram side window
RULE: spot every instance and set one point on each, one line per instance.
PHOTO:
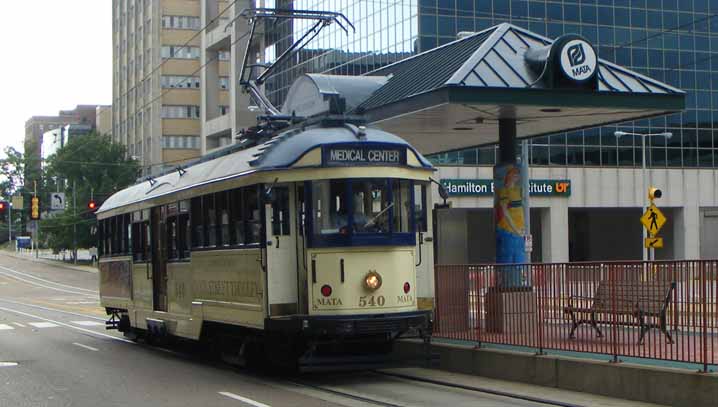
(184, 230)
(252, 217)
(245, 223)
(108, 237)
(236, 203)
(178, 231)
(140, 240)
(402, 206)
(171, 234)
(221, 201)
(127, 227)
(210, 216)
(197, 222)
(420, 217)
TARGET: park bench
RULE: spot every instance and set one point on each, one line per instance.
(644, 302)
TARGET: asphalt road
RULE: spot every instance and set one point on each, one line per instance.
(55, 351)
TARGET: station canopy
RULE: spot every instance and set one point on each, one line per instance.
(452, 97)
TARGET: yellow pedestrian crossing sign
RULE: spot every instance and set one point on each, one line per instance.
(653, 220)
(653, 243)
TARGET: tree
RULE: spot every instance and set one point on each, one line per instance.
(12, 168)
(96, 167)
(18, 173)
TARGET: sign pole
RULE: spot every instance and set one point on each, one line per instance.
(9, 223)
(525, 198)
(644, 189)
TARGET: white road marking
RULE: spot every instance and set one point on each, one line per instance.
(91, 332)
(43, 324)
(243, 399)
(43, 285)
(8, 364)
(4, 327)
(77, 290)
(86, 347)
(51, 309)
(19, 324)
(88, 323)
(82, 302)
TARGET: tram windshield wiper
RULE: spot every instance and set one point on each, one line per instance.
(371, 221)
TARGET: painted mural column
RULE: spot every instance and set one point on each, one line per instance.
(508, 207)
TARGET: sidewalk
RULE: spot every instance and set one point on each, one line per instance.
(46, 256)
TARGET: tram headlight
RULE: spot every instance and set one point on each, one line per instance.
(372, 280)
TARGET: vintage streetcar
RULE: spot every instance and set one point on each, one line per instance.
(311, 245)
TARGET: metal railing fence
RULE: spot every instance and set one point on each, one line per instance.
(658, 310)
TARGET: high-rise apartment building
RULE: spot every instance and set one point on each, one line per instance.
(103, 119)
(225, 108)
(156, 80)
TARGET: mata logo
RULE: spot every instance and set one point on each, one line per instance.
(578, 60)
(323, 302)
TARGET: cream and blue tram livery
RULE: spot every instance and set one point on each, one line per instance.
(317, 237)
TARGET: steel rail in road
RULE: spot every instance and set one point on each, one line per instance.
(344, 394)
(479, 389)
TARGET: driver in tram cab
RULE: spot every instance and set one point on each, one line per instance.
(341, 218)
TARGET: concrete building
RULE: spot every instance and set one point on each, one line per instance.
(225, 108)
(156, 99)
(37, 126)
(103, 119)
(57, 138)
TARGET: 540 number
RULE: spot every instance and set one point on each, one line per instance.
(372, 301)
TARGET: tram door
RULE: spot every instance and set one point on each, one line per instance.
(281, 251)
(159, 258)
(424, 252)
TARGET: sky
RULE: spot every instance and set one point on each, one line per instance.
(57, 54)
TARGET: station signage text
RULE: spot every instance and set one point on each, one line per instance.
(352, 155)
(485, 187)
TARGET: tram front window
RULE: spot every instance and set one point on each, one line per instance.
(331, 212)
(371, 206)
(361, 207)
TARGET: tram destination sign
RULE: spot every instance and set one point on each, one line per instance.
(485, 187)
(344, 155)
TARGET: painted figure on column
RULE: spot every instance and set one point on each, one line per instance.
(508, 209)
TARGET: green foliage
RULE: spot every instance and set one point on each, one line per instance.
(94, 166)
(12, 168)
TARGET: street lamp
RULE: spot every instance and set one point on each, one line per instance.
(665, 134)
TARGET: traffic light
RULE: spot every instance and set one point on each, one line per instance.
(654, 193)
(92, 205)
(3, 207)
(35, 208)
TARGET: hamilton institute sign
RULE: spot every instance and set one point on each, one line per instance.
(485, 187)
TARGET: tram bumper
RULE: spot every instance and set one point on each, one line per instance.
(404, 324)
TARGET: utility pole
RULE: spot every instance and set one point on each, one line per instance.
(74, 224)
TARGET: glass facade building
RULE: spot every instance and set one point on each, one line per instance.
(674, 41)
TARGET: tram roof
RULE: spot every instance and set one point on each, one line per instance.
(279, 152)
(451, 97)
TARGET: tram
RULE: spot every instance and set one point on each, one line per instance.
(310, 244)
